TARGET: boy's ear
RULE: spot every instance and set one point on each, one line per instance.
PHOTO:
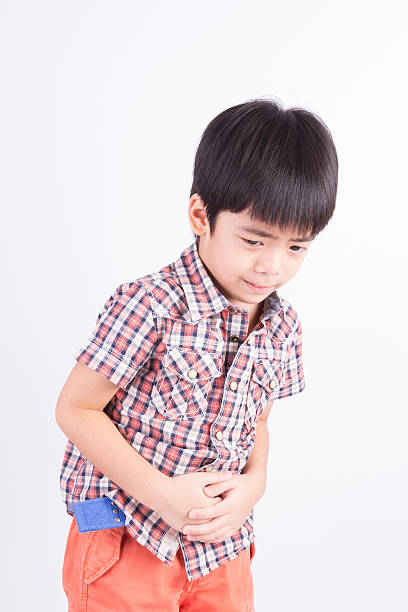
(197, 215)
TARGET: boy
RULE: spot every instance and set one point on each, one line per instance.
(166, 410)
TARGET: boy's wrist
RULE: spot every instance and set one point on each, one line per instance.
(155, 488)
(160, 492)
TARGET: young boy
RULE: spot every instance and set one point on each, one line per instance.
(166, 408)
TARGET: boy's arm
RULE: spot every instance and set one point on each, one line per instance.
(79, 413)
(257, 464)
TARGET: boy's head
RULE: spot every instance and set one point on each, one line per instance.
(260, 167)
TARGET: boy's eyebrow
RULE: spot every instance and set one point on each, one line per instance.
(260, 232)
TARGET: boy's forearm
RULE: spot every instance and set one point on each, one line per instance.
(257, 464)
(96, 436)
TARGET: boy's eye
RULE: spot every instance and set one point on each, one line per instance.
(251, 241)
(299, 249)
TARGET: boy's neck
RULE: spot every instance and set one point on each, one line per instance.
(255, 316)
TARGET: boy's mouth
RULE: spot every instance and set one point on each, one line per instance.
(256, 287)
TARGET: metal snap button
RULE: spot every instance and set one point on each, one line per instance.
(115, 511)
(208, 468)
(273, 383)
(233, 385)
(192, 373)
(218, 435)
(234, 339)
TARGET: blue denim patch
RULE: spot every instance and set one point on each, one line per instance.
(95, 514)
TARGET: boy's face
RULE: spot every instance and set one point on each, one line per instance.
(236, 255)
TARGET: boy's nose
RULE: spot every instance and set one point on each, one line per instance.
(266, 274)
(267, 269)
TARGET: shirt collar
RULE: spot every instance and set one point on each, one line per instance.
(203, 296)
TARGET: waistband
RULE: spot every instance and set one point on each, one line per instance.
(95, 514)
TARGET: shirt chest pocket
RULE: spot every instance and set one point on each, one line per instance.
(183, 381)
(264, 385)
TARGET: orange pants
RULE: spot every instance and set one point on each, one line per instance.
(109, 571)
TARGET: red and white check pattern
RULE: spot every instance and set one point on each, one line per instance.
(192, 387)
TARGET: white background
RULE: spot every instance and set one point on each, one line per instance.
(102, 109)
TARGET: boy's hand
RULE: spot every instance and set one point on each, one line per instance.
(240, 494)
(178, 495)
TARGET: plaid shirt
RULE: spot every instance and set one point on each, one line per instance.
(192, 386)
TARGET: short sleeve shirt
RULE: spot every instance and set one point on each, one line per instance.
(192, 386)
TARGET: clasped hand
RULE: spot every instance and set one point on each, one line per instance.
(224, 518)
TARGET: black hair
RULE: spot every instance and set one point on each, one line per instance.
(280, 164)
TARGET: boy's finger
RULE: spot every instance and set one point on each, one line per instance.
(213, 490)
(203, 513)
(196, 513)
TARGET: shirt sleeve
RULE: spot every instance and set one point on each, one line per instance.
(124, 335)
(294, 379)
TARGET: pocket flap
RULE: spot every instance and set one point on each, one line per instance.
(102, 552)
(268, 373)
(193, 366)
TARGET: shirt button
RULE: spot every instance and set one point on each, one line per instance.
(233, 385)
(208, 468)
(218, 435)
(192, 373)
(273, 383)
(234, 339)
(233, 311)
